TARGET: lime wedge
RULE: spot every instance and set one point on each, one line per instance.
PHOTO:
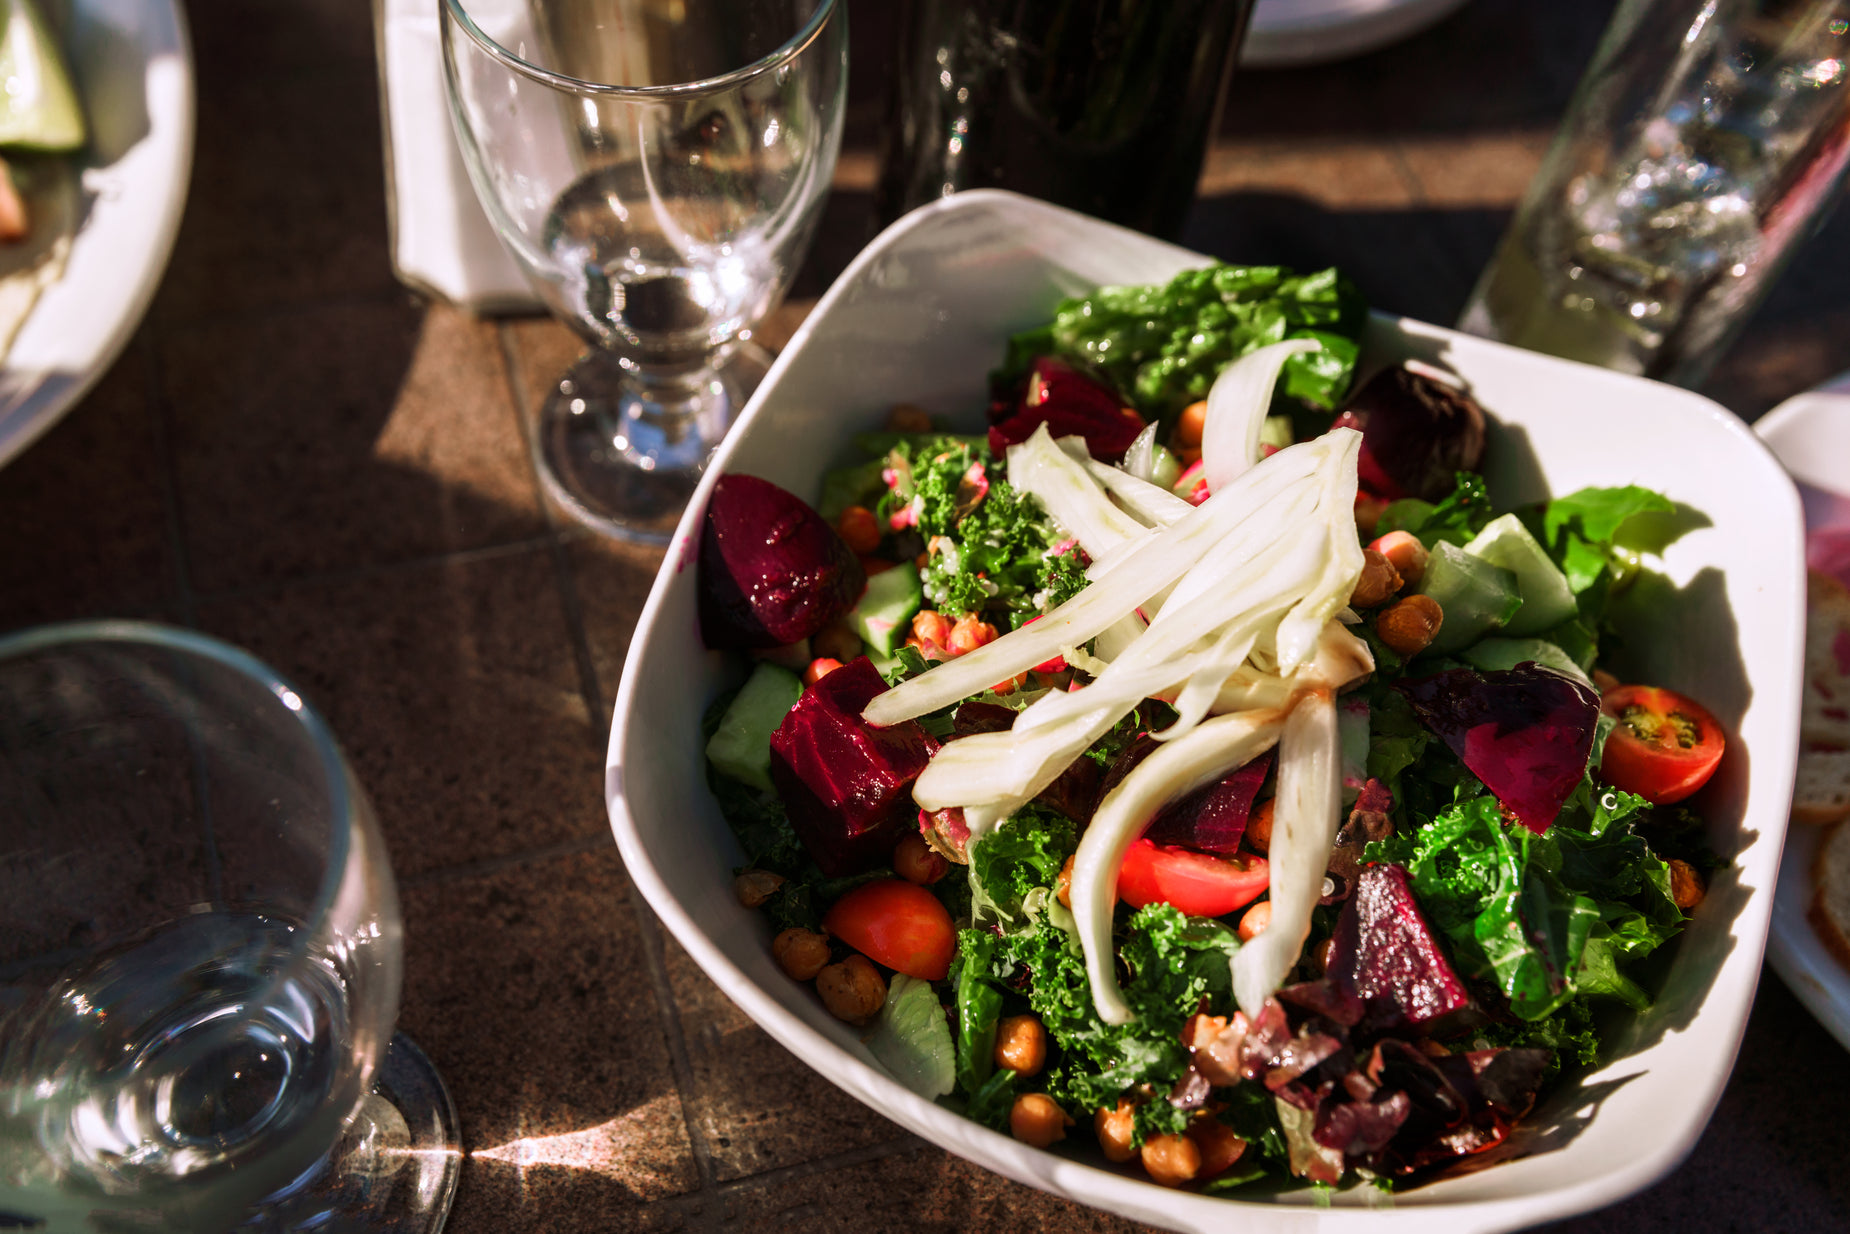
(38, 107)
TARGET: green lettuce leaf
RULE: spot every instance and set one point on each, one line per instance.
(1024, 852)
(1162, 345)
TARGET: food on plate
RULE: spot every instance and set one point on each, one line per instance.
(1830, 905)
(41, 124)
(1207, 766)
(1821, 793)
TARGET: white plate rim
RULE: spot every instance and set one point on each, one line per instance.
(1297, 34)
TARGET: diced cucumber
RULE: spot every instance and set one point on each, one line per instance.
(741, 746)
(38, 108)
(1493, 654)
(1475, 596)
(1547, 601)
(884, 614)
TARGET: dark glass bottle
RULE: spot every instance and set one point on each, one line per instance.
(1102, 105)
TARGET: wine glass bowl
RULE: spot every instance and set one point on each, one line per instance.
(656, 171)
(200, 943)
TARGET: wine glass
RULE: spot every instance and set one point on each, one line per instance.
(199, 954)
(656, 169)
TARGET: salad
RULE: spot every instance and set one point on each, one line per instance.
(1198, 762)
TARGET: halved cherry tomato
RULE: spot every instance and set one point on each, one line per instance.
(1665, 746)
(898, 924)
(1195, 883)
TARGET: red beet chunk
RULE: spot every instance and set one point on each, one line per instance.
(772, 572)
(1417, 434)
(1070, 404)
(844, 781)
(1212, 819)
(1526, 732)
(1384, 951)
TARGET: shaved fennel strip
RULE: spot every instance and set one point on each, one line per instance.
(1210, 751)
(1304, 823)
(1299, 631)
(1117, 637)
(1140, 458)
(1012, 767)
(1147, 502)
(1070, 495)
(1254, 497)
(1237, 406)
(1134, 578)
(1230, 649)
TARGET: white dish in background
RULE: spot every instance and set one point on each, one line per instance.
(1294, 33)
(133, 69)
(921, 316)
(1810, 434)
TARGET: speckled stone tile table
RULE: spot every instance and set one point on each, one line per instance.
(298, 455)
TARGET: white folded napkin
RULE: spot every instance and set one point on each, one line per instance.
(441, 240)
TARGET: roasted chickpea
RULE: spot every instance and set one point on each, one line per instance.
(1686, 886)
(1037, 1119)
(852, 990)
(1378, 581)
(754, 887)
(859, 529)
(1171, 1159)
(1218, 1145)
(1259, 826)
(1021, 1045)
(1063, 886)
(1405, 553)
(1189, 426)
(800, 953)
(819, 668)
(835, 641)
(1409, 625)
(1114, 1129)
(968, 634)
(914, 861)
(1255, 920)
(931, 630)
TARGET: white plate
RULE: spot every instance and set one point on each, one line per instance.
(1810, 434)
(1293, 33)
(921, 315)
(134, 68)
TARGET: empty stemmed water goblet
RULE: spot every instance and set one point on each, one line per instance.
(199, 955)
(656, 170)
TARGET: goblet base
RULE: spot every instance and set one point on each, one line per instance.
(395, 1168)
(622, 454)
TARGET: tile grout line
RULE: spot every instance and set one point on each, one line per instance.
(653, 945)
(179, 569)
(653, 957)
(589, 686)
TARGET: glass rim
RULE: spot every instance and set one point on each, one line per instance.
(792, 47)
(174, 638)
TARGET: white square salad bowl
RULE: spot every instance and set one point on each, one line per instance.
(921, 317)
